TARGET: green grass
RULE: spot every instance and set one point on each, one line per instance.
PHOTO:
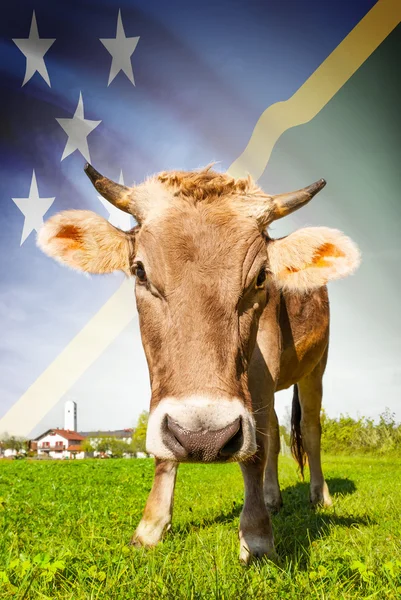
(65, 528)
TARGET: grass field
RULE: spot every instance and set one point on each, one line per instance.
(65, 528)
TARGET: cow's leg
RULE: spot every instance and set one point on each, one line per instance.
(159, 506)
(255, 530)
(310, 397)
(272, 492)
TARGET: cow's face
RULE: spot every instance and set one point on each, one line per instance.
(201, 286)
(204, 272)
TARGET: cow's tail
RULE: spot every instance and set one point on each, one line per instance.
(297, 447)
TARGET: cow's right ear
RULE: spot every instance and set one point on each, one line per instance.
(87, 242)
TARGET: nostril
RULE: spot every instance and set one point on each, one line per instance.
(172, 438)
(177, 432)
(234, 444)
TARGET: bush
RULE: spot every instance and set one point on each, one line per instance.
(346, 434)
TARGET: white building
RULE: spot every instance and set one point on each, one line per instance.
(59, 443)
(9, 452)
(70, 415)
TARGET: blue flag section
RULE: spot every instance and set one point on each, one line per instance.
(140, 87)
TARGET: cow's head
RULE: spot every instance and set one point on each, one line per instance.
(204, 269)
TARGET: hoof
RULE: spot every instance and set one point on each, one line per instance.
(254, 547)
(320, 496)
(136, 542)
(148, 534)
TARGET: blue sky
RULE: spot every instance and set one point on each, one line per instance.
(204, 73)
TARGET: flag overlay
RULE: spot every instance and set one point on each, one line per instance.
(287, 91)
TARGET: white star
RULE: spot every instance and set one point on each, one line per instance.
(34, 49)
(117, 217)
(121, 48)
(78, 128)
(33, 208)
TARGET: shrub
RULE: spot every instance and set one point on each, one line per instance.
(346, 434)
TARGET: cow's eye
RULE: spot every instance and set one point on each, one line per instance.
(140, 273)
(261, 277)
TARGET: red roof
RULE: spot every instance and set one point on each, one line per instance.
(67, 434)
(75, 448)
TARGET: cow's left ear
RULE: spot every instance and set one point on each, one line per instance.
(310, 257)
(85, 241)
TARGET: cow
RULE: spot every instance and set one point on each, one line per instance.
(228, 316)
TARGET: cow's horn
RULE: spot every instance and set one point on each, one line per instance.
(119, 195)
(284, 204)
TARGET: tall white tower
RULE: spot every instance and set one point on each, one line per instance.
(70, 415)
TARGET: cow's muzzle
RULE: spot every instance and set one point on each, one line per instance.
(204, 445)
(201, 429)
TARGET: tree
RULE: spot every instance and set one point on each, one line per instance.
(138, 443)
(118, 447)
(285, 435)
(103, 444)
(286, 420)
(13, 443)
(107, 444)
(345, 434)
(87, 445)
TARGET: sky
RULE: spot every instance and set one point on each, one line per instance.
(198, 79)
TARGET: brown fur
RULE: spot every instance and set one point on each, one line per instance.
(205, 184)
(208, 329)
(203, 278)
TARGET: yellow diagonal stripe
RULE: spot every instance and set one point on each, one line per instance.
(319, 89)
(119, 310)
(72, 362)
